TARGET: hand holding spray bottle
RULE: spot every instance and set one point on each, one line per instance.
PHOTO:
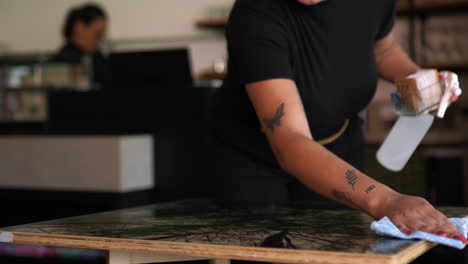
(417, 95)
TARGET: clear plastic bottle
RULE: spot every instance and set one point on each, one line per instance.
(403, 140)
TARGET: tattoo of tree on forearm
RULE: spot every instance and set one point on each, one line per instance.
(275, 121)
(370, 188)
(341, 196)
(351, 177)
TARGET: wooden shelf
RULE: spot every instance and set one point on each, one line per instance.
(24, 89)
(461, 66)
(42, 89)
(432, 5)
(213, 23)
(404, 7)
(211, 76)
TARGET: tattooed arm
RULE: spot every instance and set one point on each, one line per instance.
(279, 108)
(286, 127)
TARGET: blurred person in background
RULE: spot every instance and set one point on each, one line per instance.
(83, 30)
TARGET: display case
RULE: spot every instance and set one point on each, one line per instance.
(25, 87)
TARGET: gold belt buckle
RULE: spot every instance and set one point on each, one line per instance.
(335, 136)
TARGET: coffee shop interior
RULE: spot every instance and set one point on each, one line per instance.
(130, 125)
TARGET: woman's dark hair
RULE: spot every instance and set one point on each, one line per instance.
(87, 13)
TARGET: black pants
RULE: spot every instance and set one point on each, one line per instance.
(241, 180)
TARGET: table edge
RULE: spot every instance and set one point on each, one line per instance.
(215, 251)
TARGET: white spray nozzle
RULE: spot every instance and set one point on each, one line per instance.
(451, 87)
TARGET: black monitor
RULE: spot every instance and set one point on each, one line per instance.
(148, 70)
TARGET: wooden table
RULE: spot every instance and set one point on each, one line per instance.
(194, 230)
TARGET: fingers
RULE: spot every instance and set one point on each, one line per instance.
(424, 218)
(461, 238)
(430, 221)
(405, 230)
(410, 213)
(444, 224)
(435, 222)
(427, 224)
(452, 232)
(453, 98)
(441, 76)
(417, 224)
(440, 233)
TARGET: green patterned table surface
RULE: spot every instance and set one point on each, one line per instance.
(202, 222)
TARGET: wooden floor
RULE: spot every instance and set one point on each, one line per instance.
(201, 230)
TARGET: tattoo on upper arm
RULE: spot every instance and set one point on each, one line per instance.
(370, 188)
(275, 121)
(341, 196)
(351, 177)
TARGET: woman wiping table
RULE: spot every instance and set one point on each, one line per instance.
(286, 122)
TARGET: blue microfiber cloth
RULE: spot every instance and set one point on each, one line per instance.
(385, 227)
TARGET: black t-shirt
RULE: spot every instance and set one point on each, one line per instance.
(327, 49)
